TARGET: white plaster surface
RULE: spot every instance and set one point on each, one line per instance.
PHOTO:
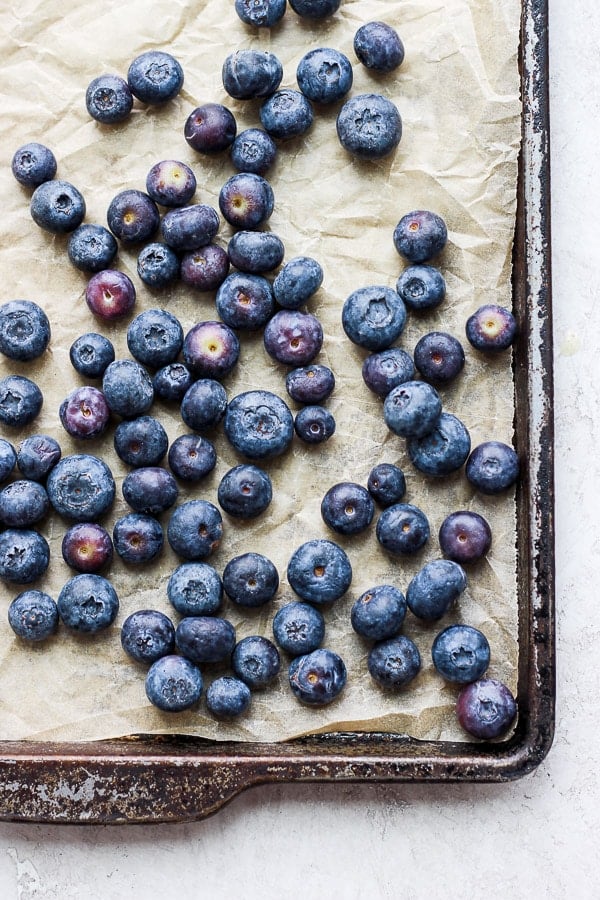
(537, 838)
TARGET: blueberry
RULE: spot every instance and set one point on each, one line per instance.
(435, 587)
(373, 317)
(286, 114)
(195, 529)
(395, 662)
(319, 571)
(57, 206)
(324, 75)
(317, 678)
(461, 654)
(245, 491)
(420, 235)
(33, 164)
(110, 295)
(310, 384)
(211, 350)
(251, 74)
(81, 487)
(205, 639)
(386, 484)
(33, 616)
(347, 508)
(314, 424)
(91, 248)
(171, 183)
(369, 126)
(258, 424)
(192, 457)
(210, 128)
(486, 708)
(246, 200)
(155, 338)
(88, 603)
(298, 628)
(155, 77)
(379, 612)
(138, 538)
(127, 388)
(245, 301)
(204, 404)
(87, 547)
(299, 279)
(250, 580)
(8, 459)
(315, 9)
(443, 450)
(195, 589)
(189, 227)
(108, 99)
(150, 490)
(228, 697)
(412, 409)
(260, 13)
(141, 442)
(23, 503)
(205, 268)
(158, 265)
(147, 635)
(24, 555)
(36, 456)
(492, 467)
(132, 216)
(293, 338)
(402, 528)
(491, 328)
(439, 357)
(84, 413)
(173, 683)
(172, 381)
(421, 287)
(465, 536)
(378, 46)
(255, 660)
(24, 330)
(20, 401)
(386, 369)
(253, 150)
(255, 251)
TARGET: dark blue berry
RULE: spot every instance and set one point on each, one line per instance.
(387, 369)
(492, 467)
(421, 287)
(255, 660)
(435, 588)
(87, 547)
(90, 354)
(395, 662)
(460, 654)
(439, 357)
(192, 457)
(81, 487)
(315, 9)
(23, 503)
(314, 424)
(465, 536)
(141, 442)
(172, 381)
(310, 384)
(378, 46)
(379, 612)
(260, 13)
(150, 490)
(36, 455)
(88, 603)
(386, 484)
(299, 279)
(443, 450)
(24, 555)
(253, 151)
(20, 401)
(195, 529)
(84, 413)
(251, 74)
(32, 164)
(412, 409)
(92, 248)
(317, 678)
(402, 529)
(347, 508)
(127, 388)
(286, 114)
(205, 639)
(210, 128)
(374, 317)
(195, 589)
(24, 330)
(369, 126)
(33, 616)
(57, 206)
(319, 571)
(298, 628)
(258, 424)
(147, 635)
(228, 697)
(250, 580)
(211, 350)
(255, 251)
(132, 216)
(204, 404)
(420, 235)
(324, 75)
(245, 491)
(138, 538)
(486, 708)
(189, 227)
(171, 183)
(173, 683)
(155, 77)
(8, 459)
(293, 338)
(245, 301)
(158, 265)
(108, 99)
(491, 328)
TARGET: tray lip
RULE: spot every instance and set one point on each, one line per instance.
(28, 769)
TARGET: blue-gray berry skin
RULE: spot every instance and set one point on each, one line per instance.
(246, 200)
(88, 604)
(491, 328)
(255, 251)
(386, 484)
(155, 77)
(158, 265)
(108, 99)
(298, 628)
(439, 357)
(171, 183)
(173, 683)
(386, 369)
(8, 459)
(412, 409)
(374, 317)
(486, 708)
(191, 457)
(155, 337)
(259, 424)
(147, 635)
(402, 529)
(310, 384)
(395, 662)
(256, 661)
(420, 235)
(205, 268)
(369, 126)
(324, 75)
(150, 490)
(84, 413)
(465, 536)
(172, 381)
(210, 128)
(24, 330)
(92, 248)
(132, 216)
(195, 589)
(315, 9)
(461, 654)
(33, 616)
(492, 467)
(204, 404)
(379, 612)
(317, 678)
(205, 639)
(245, 491)
(293, 338)
(260, 13)
(378, 46)
(138, 538)
(91, 353)
(20, 401)
(299, 279)
(314, 424)
(23, 503)
(189, 227)
(250, 580)
(245, 301)
(33, 163)
(228, 697)
(444, 450)
(141, 442)
(127, 388)
(251, 74)
(24, 555)
(253, 150)
(195, 529)
(36, 456)
(422, 287)
(347, 508)
(286, 114)
(435, 587)
(319, 571)
(81, 487)
(57, 206)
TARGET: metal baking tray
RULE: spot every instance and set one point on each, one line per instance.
(150, 779)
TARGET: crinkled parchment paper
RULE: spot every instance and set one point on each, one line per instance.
(458, 94)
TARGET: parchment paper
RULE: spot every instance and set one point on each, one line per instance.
(458, 94)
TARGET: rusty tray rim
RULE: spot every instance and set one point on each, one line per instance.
(153, 779)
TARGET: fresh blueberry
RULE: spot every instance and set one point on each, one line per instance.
(204, 404)
(33, 616)
(310, 384)
(87, 547)
(210, 128)
(88, 603)
(172, 381)
(386, 484)
(293, 338)
(245, 301)
(23, 503)
(299, 279)
(386, 369)
(141, 442)
(138, 538)
(173, 683)
(127, 388)
(461, 654)
(369, 126)
(110, 295)
(260, 13)
(57, 206)
(378, 613)
(195, 529)
(205, 268)
(412, 409)
(211, 350)
(24, 330)
(155, 77)
(8, 459)
(492, 467)
(373, 317)
(378, 46)
(36, 455)
(286, 114)
(324, 75)
(33, 164)
(155, 338)
(347, 508)
(402, 528)
(246, 200)
(245, 491)
(147, 635)
(253, 151)
(20, 401)
(150, 490)
(158, 265)
(486, 708)
(465, 536)
(421, 287)
(491, 328)
(420, 235)
(251, 74)
(439, 357)
(259, 424)
(435, 587)
(195, 589)
(395, 662)
(315, 9)
(192, 457)
(255, 251)
(250, 580)
(108, 99)
(171, 183)
(443, 450)
(132, 216)
(81, 487)
(205, 639)
(298, 628)
(317, 678)
(255, 660)
(189, 227)
(314, 424)
(228, 697)
(84, 413)
(24, 555)
(319, 571)
(91, 248)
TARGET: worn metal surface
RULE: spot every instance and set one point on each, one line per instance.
(158, 779)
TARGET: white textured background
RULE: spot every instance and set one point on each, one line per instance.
(536, 838)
